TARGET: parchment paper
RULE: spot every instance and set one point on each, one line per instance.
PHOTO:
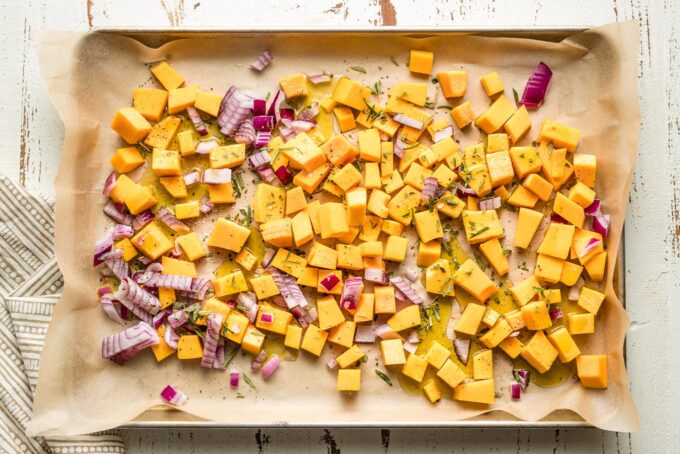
(90, 76)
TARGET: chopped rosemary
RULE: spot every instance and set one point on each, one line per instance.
(240, 395)
(480, 231)
(516, 95)
(377, 88)
(447, 107)
(381, 374)
(248, 381)
(230, 357)
(394, 60)
(359, 69)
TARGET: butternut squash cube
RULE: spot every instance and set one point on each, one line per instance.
(512, 346)
(445, 176)
(330, 314)
(221, 193)
(350, 356)
(228, 235)
(482, 365)
(518, 125)
(365, 308)
(304, 153)
(581, 194)
(129, 251)
(463, 114)
(428, 225)
(524, 291)
(333, 220)
(338, 150)
(470, 319)
(229, 284)
(421, 61)
(228, 156)
(347, 177)
(130, 125)
(478, 179)
(236, 326)
(309, 277)
(167, 75)
(497, 334)
(406, 318)
(246, 259)
(437, 355)
(451, 374)
(494, 253)
(479, 391)
(557, 240)
(450, 205)
(345, 118)
(372, 175)
(175, 186)
(309, 181)
(525, 160)
(302, 228)
(181, 98)
(595, 267)
(126, 159)
(560, 135)
(570, 273)
(481, 226)
(252, 340)
(496, 115)
(349, 257)
(473, 280)
(415, 367)
(428, 253)
(371, 249)
(281, 319)
(590, 300)
(569, 210)
(163, 133)
(522, 197)
(294, 85)
(162, 350)
(395, 248)
(403, 205)
(295, 200)
(289, 263)
(187, 210)
(432, 391)
(585, 168)
(293, 337)
(384, 300)
(349, 380)
(567, 350)
(208, 103)
(377, 203)
(539, 352)
(581, 323)
(500, 168)
(536, 316)
(370, 228)
(415, 92)
(343, 335)
(548, 269)
(452, 83)
(189, 347)
(438, 278)
(151, 241)
(492, 84)
(592, 371)
(314, 340)
(264, 287)
(150, 102)
(351, 93)
(392, 352)
(278, 233)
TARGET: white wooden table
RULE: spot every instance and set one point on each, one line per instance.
(31, 138)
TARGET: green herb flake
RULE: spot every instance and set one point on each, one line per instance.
(382, 374)
(480, 231)
(516, 95)
(359, 69)
(394, 60)
(249, 382)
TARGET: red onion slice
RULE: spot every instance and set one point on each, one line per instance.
(118, 267)
(409, 347)
(160, 318)
(462, 349)
(364, 334)
(406, 289)
(268, 256)
(142, 219)
(270, 366)
(258, 361)
(171, 221)
(289, 289)
(262, 139)
(575, 290)
(515, 391)
(245, 133)
(173, 281)
(272, 107)
(109, 183)
(263, 123)
(110, 310)
(593, 243)
(385, 332)
(261, 62)
(234, 109)
(554, 217)
(464, 191)
(492, 203)
(212, 335)
(206, 146)
(178, 319)
(322, 78)
(132, 292)
(216, 176)
(309, 113)
(174, 396)
(259, 159)
(119, 215)
(442, 134)
(593, 208)
(191, 178)
(206, 206)
(601, 224)
(375, 276)
(121, 231)
(259, 107)
(330, 281)
(408, 121)
(429, 189)
(283, 175)
(171, 337)
(412, 274)
(234, 379)
(351, 291)
(536, 87)
(220, 354)
(124, 345)
(286, 114)
(522, 376)
(301, 315)
(556, 314)
(196, 119)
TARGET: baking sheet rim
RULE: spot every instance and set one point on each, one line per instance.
(482, 421)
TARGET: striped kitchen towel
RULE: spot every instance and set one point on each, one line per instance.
(30, 283)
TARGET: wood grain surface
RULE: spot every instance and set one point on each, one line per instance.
(31, 138)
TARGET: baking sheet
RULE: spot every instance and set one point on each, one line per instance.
(90, 76)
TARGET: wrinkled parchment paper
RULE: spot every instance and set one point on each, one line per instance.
(90, 76)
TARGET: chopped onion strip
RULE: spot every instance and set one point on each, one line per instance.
(351, 291)
(270, 366)
(171, 221)
(196, 119)
(406, 289)
(206, 146)
(536, 87)
(408, 121)
(174, 396)
(124, 345)
(216, 176)
(212, 336)
(462, 349)
(261, 62)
